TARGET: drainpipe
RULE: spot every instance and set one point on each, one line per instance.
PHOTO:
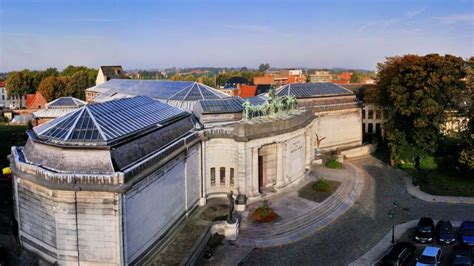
(77, 229)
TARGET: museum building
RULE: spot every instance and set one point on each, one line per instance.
(105, 183)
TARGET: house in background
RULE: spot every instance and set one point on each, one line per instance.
(109, 72)
(3, 95)
(320, 76)
(281, 77)
(35, 101)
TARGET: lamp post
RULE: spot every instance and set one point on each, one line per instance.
(391, 214)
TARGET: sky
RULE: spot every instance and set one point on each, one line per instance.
(37, 34)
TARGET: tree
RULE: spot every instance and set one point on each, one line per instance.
(263, 67)
(357, 77)
(54, 87)
(80, 81)
(417, 90)
(20, 83)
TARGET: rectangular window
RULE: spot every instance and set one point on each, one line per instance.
(363, 128)
(231, 177)
(363, 114)
(371, 114)
(378, 129)
(222, 176)
(378, 114)
(213, 176)
(385, 114)
(371, 128)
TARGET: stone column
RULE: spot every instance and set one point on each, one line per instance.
(254, 177)
(280, 182)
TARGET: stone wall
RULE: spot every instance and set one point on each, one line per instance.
(342, 128)
(221, 153)
(68, 227)
(156, 204)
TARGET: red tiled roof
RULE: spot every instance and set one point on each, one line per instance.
(247, 91)
(35, 101)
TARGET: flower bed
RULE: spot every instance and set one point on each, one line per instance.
(265, 214)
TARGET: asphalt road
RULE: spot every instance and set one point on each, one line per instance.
(360, 228)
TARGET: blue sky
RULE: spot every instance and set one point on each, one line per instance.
(37, 34)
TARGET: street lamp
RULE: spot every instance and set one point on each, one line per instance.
(391, 214)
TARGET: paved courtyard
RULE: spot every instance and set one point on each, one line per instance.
(360, 228)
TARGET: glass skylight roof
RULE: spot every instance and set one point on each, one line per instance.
(66, 102)
(312, 90)
(229, 105)
(109, 121)
(160, 89)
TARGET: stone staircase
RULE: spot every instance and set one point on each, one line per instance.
(287, 230)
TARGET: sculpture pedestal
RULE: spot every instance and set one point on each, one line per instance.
(229, 230)
(240, 202)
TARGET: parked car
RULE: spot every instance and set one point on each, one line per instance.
(399, 254)
(431, 256)
(445, 232)
(467, 232)
(3, 256)
(425, 230)
(462, 256)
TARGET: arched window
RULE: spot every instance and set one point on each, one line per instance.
(213, 177)
(222, 176)
(231, 177)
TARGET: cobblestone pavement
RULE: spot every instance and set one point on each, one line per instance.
(360, 228)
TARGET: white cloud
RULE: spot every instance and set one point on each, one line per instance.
(456, 19)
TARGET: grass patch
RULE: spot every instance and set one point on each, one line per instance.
(10, 135)
(310, 191)
(334, 164)
(447, 183)
(322, 185)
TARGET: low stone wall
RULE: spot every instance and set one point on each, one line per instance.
(359, 151)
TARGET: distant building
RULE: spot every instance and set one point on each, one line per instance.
(57, 108)
(281, 77)
(3, 95)
(12, 102)
(109, 72)
(320, 76)
(35, 101)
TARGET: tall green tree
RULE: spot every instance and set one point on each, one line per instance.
(20, 83)
(357, 77)
(54, 87)
(417, 90)
(80, 81)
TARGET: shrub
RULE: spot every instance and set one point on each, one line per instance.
(322, 185)
(334, 164)
(428, 163)
(406, 166)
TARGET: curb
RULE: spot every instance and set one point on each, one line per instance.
(417, 193)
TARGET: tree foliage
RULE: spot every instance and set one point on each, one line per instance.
(357, 77)
(78, 84)
(54, 87)
(263, 67)
(417, 90)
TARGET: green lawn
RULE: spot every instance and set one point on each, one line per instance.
(10, 136)
(448, 183)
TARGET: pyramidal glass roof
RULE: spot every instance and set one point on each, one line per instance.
(66, 102)
(106, 122)
(302, 90)
(159, 89)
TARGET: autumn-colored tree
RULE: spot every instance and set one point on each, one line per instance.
(54, 87)
(417, 90)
